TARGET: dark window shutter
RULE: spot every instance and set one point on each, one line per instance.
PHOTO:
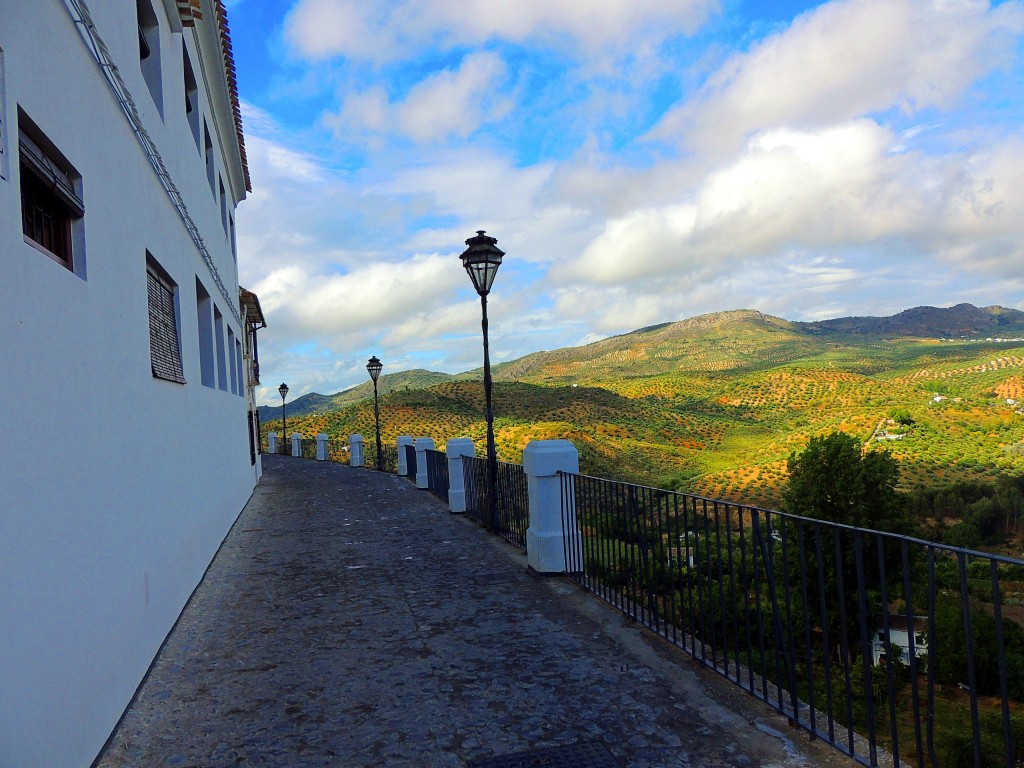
(164, 350)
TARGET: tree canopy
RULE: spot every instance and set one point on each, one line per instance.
(834, 480)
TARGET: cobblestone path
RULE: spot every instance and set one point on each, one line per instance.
(350, 620)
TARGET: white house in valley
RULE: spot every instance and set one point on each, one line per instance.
(901, 632)
(127, 348)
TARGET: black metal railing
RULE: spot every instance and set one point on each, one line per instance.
(872, 641)
(389, 457)
(338, 451)
(284, 447)
(308, 446)
(437, 473)
(511, 515)
(410, 461)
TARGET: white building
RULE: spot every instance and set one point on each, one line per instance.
(900, 632)
(125, 455)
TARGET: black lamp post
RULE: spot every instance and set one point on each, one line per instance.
(283, 389)
(374, 366)
(481, 260)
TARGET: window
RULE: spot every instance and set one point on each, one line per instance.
(231, 238)
(223, 206)
(208, 145)
(204, 311)
(252, 438)
(164, 347)
(191, 95)
(218, 328)
(51, 204)
(3, 121)
(233, 380)
(238, 367)
(149, 52)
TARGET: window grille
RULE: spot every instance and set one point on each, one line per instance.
(164, 349)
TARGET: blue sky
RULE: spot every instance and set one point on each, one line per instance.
(639, 161)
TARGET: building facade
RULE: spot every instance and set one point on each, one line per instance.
(127, 352)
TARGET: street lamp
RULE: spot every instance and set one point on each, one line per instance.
(481, 260)
(283, 389)
(374, 367)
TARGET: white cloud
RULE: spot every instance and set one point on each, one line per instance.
(830, 190)
(836, 167)
(446, 104)
(846, 59)
(402, 29)
(455, 103)
(378, 293)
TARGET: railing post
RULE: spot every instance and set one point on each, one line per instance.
(272, 443)
(297, 444)
(456, 448)
(321, 447)
(545, 542)
(355, 452)
(422, 445)
(403, 465)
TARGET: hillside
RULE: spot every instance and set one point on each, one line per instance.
(715, 404)
(317, 403)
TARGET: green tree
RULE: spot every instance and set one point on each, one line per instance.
(842, 576)
(833, 480)
(902, 416)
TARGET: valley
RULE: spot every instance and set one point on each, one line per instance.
(715, 405)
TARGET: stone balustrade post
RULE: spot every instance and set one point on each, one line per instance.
(457, 448)
(297, 444)
(423, 444)
(321, 447)
(272, 443)
(403, 465)
(355, 452)
(546, 545)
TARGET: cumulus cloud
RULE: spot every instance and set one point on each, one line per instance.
(396, 29)
(837, 166)
(831, 189)
(843, 60)
(451, 103)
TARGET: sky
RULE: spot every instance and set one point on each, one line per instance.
(639, 161)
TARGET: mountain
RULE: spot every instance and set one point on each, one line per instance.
(746, 340)
(722, 340)
(716, 404)
(388, 382)
(961, 321)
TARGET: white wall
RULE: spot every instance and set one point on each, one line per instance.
(116, 488)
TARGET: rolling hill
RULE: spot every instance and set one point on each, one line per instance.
(715, 404)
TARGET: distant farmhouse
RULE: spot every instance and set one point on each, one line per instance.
(900, 634)
(130, 442)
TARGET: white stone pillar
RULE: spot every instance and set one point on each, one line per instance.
(272, 442)
(456, 448)
(545, 543)
(321, 447)
(403, 465)
(355, 445)
(423, 444)
(297, 444)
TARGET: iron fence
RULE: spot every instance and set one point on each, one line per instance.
(511, 516)
(437, 473)
(872, 641)
(339, 451)
(389, 457)
(308, 446)
(410, 461)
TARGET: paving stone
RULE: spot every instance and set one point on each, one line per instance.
(350, 620)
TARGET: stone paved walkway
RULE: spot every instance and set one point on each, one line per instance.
(350, 620)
